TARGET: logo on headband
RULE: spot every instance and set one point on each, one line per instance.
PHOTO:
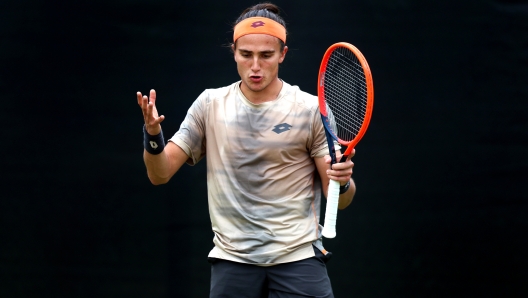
(257, 24)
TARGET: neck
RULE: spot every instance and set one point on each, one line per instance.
(270, 93)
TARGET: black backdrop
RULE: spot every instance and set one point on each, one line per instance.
(441, 205)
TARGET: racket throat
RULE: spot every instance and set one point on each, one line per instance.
(331, 148)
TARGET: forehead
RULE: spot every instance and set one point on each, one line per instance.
(258, 42)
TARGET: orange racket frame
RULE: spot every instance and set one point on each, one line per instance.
(370, 92)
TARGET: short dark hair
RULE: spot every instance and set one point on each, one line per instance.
(265, 10)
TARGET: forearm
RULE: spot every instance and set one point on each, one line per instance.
(158, 167)
(346, 198)
(161, 167)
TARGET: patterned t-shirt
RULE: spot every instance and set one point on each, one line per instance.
(263, 188)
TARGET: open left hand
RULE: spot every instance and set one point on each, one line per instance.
(150, 113)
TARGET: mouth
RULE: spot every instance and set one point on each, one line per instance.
(255, 79)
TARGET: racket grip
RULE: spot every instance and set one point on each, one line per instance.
(332, 200)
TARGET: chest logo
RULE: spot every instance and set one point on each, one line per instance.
(278, 129)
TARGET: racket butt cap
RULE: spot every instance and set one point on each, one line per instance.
(328, 234)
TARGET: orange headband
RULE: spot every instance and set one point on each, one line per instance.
(259, 25)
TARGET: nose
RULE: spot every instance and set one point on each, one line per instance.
(255, 65)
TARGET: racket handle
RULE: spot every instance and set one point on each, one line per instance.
(329, 227)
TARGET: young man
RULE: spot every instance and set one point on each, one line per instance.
(266, 166)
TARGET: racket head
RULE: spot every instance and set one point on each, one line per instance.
(346, 94)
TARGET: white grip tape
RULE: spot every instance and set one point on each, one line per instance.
(332, 200)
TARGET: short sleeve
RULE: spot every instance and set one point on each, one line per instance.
(191, 135)
(318, 146)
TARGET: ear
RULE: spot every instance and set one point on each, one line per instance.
(233, 50)
(283, 54)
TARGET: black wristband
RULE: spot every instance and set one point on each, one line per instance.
(344, 188)
(153, 144)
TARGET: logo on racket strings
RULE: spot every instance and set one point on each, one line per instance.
(278, 129)
(257, 24)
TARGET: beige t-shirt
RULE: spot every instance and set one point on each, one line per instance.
(263, 189)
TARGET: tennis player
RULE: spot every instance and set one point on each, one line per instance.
(267, 165)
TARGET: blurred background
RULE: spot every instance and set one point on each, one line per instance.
(441, 208)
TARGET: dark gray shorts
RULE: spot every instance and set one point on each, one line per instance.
(304, 278)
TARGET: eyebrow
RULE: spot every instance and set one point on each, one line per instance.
(261, 52)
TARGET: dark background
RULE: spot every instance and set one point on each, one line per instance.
(441, 208)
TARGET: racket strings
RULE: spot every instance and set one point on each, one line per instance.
(345, 89)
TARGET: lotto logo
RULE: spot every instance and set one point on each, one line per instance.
(257, 24)
(278, 129)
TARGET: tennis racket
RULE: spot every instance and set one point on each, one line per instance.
(346, 99)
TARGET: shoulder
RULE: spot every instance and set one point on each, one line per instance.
(301, 98)
(213, 94)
